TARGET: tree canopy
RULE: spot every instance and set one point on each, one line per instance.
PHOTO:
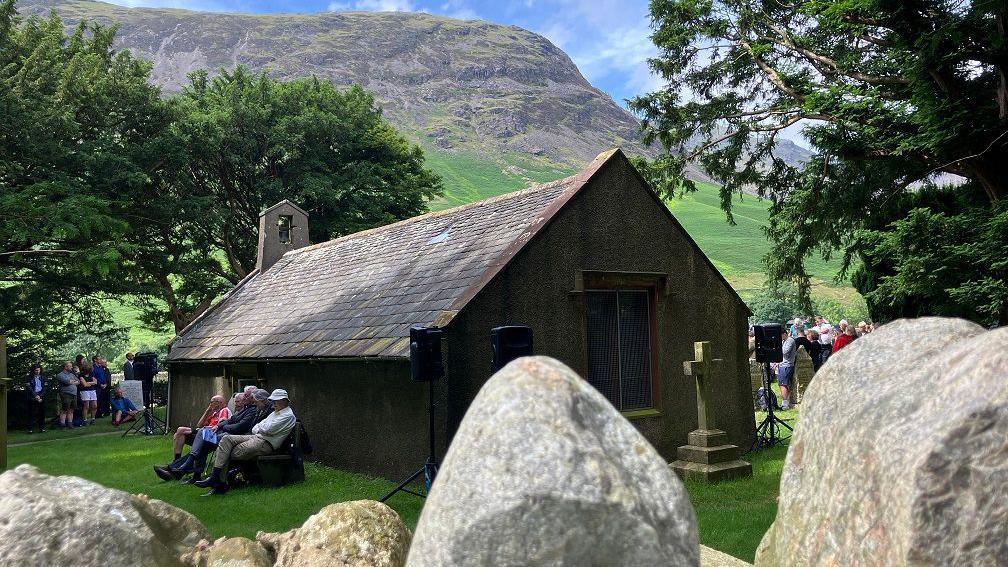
(890, 94)
(76, 119)
(242, 142)
(109, 189)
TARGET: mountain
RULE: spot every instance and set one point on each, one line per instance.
(486, 92)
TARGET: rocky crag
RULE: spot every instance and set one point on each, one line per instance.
(458, 86)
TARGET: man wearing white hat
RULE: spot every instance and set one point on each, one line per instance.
(266, 437)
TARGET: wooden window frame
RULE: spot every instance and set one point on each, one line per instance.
(652, 283)
(234, 379)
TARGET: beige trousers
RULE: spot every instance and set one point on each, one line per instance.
(240, 448)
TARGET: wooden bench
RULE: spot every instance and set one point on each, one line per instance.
(280, 468)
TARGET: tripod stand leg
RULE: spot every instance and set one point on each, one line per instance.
(402, 485)
(134, 425)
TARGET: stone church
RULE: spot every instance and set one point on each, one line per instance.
(595, 263)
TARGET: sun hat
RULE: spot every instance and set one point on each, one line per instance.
(278, 394)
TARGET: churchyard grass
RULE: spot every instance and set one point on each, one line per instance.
(126, 464)
(732, 515)
(101, 426)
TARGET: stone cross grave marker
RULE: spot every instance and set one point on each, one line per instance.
(708, 456)
(703, 369)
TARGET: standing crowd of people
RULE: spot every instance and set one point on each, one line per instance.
(85, 393)
(818, 337)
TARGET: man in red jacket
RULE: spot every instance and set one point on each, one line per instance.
(845, 339)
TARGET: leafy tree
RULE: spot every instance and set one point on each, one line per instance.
(890, 93)
(76, 117)
(947, 256)
(783, 302)
(242, 142)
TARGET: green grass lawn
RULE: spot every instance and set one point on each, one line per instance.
(101, 426)
(732, 515)
(126, 464)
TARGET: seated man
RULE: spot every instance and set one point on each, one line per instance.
(266, 437)
(247, 413)
(216, 411)
(122, 408)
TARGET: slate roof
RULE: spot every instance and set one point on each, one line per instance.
(358, 295)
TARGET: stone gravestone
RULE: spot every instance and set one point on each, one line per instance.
(901, 453)
(133, 390)
(708, 457)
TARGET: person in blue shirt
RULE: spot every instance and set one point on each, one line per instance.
(122, 409)
(35, 387)
(104, 378)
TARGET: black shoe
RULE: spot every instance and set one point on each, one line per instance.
(164, 474)
(205, 483)
(191, 480)
(218, 490)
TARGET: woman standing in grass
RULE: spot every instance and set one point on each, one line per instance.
(88, 394)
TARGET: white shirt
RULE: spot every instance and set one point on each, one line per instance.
(276, 427)
(790, 350)
(824, 333)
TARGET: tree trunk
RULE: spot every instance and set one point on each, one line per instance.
(991, 173)
(180, 318)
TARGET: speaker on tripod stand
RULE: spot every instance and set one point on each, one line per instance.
(145, 368)
(769, 348)
(425, 366)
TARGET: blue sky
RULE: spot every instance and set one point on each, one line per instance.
(607, 39)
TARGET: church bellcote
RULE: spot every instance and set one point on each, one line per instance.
(282, 227)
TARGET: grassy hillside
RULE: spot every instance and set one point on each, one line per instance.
(736, 250)
(140, 338)
(468, 178)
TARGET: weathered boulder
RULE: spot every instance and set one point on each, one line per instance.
(228, 552)
(65, 520)
(544, 471)
(362, 532)
(901, 454)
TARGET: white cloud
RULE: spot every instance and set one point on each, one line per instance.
(610, 41)
(458, 9)
(196, 5)
(373, 6)
(559, 33)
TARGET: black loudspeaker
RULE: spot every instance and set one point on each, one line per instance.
(509, 342)
(145, 368)
(425, 353)
(768, 342)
